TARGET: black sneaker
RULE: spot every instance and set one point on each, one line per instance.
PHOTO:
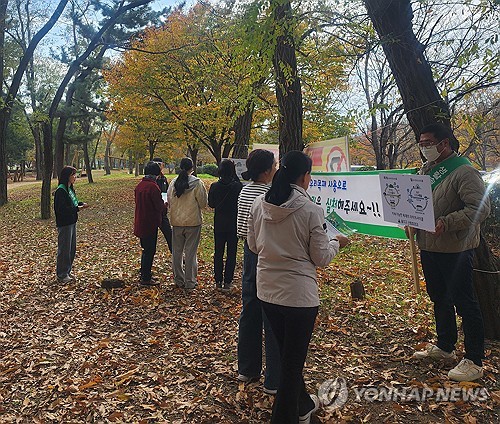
(226, 287)
(150, 283)
(218, 285)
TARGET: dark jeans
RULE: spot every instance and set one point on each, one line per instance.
(221, 240)
(252, 318)
(293, 328)
(166, 229)
(448, 278)
(66, 250)
(148, 245)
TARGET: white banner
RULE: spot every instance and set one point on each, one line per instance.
(357, 199)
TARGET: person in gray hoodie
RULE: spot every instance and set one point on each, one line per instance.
(287, 232)
(186, 198)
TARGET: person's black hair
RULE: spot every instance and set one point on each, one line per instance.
(227, 170)
(258, 161)
(66, 172)
(159, 160)
(182, 181)
(293, 165)
(441, 132)
(152, 168)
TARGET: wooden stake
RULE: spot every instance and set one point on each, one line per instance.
(414, 267)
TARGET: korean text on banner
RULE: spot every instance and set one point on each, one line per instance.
(355, 197)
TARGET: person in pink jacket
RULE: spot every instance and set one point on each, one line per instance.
(287, 232)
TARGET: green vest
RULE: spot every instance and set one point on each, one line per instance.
(445, 168)
(71, 194)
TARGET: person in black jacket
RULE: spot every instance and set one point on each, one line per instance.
(162, 182)
(223, 197)
(66, 208)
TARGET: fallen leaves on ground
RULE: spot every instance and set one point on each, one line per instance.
(83, 353)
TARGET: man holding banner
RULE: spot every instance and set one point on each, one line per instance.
(460, 205)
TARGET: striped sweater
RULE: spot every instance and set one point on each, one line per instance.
(245, 201)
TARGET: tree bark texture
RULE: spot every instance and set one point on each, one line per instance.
(487, 285)
(288, 88)
(423, 105)
(242, 128)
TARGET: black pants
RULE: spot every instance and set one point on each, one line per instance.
(148, 245)
(293, 329)
(166, 229)
(448, 278)
(221, 240)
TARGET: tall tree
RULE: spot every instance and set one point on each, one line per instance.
(187, 73)
(8, 100)
(120, 7)
(288, 89)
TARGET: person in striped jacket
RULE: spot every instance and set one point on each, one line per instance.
(261, 166)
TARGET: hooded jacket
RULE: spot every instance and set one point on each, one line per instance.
(223, 197)
(185, 211)
(149, 207)
(460, 202)
(291, 242)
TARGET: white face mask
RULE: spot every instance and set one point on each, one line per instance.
(431, 152)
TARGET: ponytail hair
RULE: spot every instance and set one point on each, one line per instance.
(181, 183)
(258, 162)
(293, 165)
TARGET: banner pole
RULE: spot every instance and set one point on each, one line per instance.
(414, 264)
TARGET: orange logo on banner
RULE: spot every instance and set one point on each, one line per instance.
(329, 155)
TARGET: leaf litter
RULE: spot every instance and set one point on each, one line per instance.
(87, 353)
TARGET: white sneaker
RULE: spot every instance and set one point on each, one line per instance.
(466, 370)
(434, 352)
(306, 419)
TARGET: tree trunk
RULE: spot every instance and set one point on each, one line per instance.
(487, 284)
(47, 170)
(423, 105)
(86, 158)
(242, 128)
(94, 153)
(193, 154)
(38, 152)
(107, 151)
(288, 89)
